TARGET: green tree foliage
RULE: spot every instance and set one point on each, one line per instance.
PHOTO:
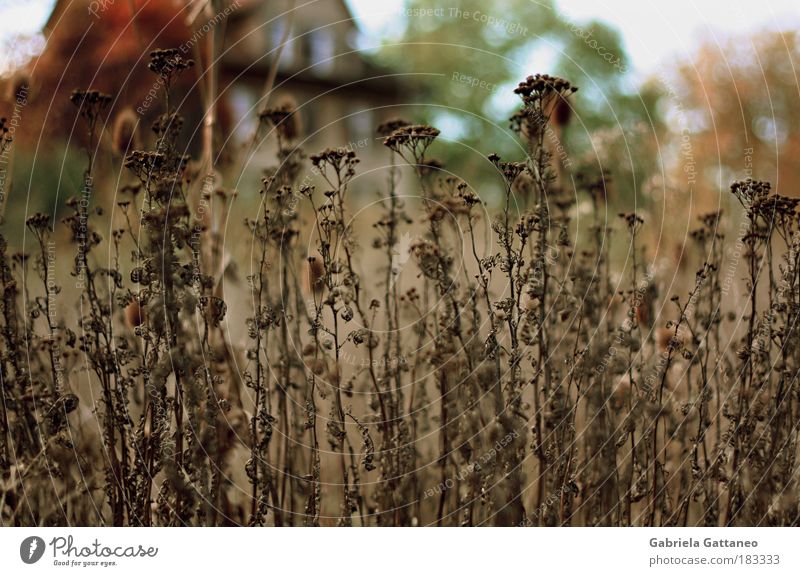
(466, 58)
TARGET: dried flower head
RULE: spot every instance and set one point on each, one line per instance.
(545, 100)
(632, 220)
(412, 140)
(285, 118)
(750, 191)
(5, 137)
(543, 87)
(168, 63)
(38, 223)
(90, 103)
(509, 170)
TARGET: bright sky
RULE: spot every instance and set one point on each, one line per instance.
(653, 30)
(20, 17)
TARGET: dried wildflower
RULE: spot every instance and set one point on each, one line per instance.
(57, 412)
(90, 103)
(534, 347)
(469, 198)
(168, 63)
(775, 208)
(544, 87)
(412, 140)
(509, 170)
(38, 223)
(285, 118)
(336, 164)
(711, 220)
(5, 137)
(368, 448)
(545, 99)
(144, 162)
(359, 337)
(632, 220)
(448, 206)
(750, 192)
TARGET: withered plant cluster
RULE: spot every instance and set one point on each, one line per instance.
(517, 379)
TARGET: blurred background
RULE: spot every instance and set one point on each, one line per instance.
(702, 92)
(676, 100)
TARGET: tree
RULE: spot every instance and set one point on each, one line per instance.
(735, 106)
(465, 61)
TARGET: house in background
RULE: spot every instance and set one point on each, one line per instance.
(341, 96)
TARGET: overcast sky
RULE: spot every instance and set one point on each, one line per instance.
(654, 31)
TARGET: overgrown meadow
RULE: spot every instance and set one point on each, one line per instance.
(520, 373)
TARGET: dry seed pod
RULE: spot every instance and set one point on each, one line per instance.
(134, 314)
(125, 134)
(315, 276)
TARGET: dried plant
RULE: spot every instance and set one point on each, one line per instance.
(519, 373)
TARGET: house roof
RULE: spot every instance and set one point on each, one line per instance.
(354, 67)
